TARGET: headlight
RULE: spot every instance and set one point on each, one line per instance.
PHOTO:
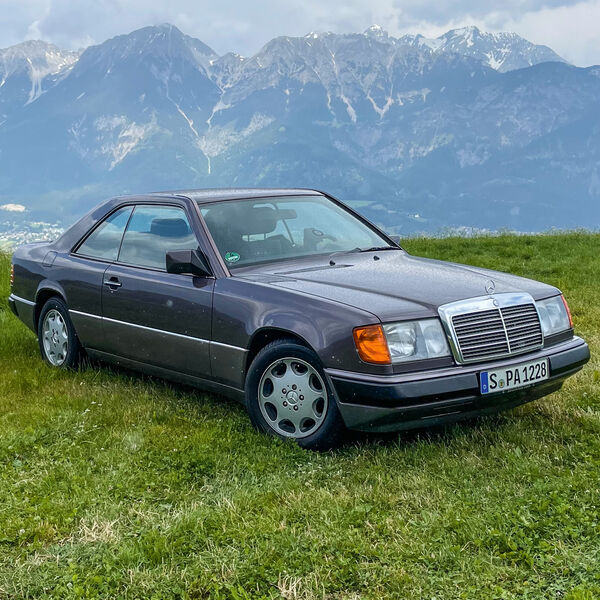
(554, 315)
(416, 340)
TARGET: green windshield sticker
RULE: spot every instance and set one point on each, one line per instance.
(232, 257)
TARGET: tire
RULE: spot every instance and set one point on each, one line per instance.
(288, 396)
(59, 345)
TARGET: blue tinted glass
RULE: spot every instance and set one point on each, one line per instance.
(266, 229)
(105, 240)
(152, 232)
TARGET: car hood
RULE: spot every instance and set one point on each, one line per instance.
(392, 284)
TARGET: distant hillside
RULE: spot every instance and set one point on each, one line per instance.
(469, 129)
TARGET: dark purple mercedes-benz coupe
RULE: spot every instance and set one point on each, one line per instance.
(291, 302)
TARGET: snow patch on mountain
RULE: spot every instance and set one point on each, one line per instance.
(381, 111)
(218, 140)
(502, 51)
(120, 136)
(376, 31)
(349, 108)
(37, 60)
(472, 155)
(219, 106)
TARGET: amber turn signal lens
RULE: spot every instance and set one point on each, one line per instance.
(371, 345)
(568, 311)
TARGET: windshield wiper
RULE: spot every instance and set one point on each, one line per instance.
(357, 250)
(377, 248)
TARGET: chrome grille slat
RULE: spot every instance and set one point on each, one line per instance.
(496, 324)
(493, 327)
(517, 318)
(487, 316)
(490, 325)
(519, 326)
(484, 334)
(484, 354)
(519, 308)
(523, 337)
(503, 347)
(487, 323)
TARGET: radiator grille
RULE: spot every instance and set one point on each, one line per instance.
(497, 332)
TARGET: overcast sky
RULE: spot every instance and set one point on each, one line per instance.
(570, 28)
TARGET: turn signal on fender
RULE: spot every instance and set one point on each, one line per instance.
(371, 345)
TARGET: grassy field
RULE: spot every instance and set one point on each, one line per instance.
(114, 485)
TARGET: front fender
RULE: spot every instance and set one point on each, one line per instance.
(243, 308)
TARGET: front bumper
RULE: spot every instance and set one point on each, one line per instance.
(391, 403)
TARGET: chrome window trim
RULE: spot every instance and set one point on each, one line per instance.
(482, 303)
(162, 331)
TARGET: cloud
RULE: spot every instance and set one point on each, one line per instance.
(19, 208)
(569, 27)
(572, 31)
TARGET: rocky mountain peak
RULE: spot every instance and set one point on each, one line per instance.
(163, 42)
(376, 31)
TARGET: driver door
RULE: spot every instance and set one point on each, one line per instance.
(149, 315)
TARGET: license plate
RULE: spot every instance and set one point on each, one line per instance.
(516, 376)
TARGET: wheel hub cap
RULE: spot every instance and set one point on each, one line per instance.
(292, 397)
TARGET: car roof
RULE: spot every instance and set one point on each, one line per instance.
(216, 194)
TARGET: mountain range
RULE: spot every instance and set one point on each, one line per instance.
(470, 129)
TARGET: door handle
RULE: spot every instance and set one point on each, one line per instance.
(113, 283)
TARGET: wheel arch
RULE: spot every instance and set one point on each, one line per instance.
(43, 294)
(264, 336)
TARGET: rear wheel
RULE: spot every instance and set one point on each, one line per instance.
(56, 335)
(287, 395)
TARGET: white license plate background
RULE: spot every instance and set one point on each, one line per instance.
(515, 376)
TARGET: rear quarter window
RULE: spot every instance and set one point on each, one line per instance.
(105, 240)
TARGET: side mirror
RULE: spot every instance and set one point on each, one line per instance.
(189, 262)
(395, 238)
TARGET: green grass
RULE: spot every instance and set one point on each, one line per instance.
(114, 485)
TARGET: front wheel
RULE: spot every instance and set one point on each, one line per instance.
(287, 395)
(56, 335)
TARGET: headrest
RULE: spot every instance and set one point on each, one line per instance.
(169, 227)
(262, 219)
(243, 220)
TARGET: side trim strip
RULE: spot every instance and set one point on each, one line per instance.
(84, 314)
(162, 331)
(19, 299)
(229, 346)
(179, 335)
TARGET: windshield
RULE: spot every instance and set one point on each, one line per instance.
(248, 232)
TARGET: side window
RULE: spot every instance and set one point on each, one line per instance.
(105, 240)
(152, 232)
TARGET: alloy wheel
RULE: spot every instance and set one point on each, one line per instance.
(55, 337)
(292, 397)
